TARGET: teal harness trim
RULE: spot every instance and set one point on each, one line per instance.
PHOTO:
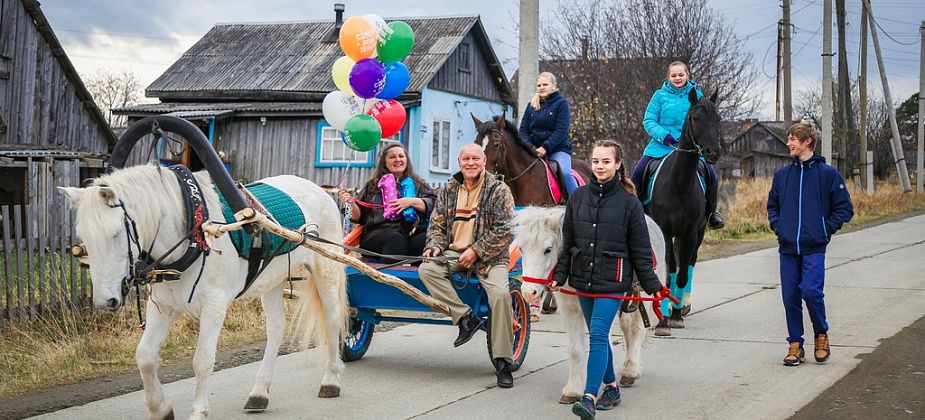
(651, 186)
(283, 208)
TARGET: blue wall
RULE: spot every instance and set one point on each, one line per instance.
(446, 106)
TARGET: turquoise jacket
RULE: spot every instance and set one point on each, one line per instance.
(665, 115)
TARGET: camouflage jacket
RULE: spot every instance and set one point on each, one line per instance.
(492, 234)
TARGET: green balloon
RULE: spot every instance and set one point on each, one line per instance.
(362, 133)
(397, 43)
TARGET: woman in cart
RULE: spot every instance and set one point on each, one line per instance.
(604, 242)
(393, 207)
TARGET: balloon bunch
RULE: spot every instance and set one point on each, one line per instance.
(369, 77)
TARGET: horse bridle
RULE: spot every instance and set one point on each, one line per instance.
(498, 157)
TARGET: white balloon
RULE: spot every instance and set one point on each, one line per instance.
(338, 107)
(382, 29)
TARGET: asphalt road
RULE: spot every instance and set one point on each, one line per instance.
(725, 364)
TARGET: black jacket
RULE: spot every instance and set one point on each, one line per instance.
(604, 241)
(548, 126)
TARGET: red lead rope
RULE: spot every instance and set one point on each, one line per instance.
(656, 301)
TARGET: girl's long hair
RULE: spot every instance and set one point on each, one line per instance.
(373, 183)
(535, 102)
(625, 181)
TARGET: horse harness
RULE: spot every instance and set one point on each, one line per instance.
(498, 159)
(145, 269)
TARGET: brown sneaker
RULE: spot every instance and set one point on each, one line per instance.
(795, 355)
(821, 351)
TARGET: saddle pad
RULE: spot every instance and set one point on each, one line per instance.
(655, 166)
(281, 206)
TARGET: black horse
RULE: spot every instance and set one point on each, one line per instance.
(678, 201)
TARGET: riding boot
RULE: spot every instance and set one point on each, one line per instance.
(715, 220)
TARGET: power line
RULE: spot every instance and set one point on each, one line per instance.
(122, 35)
(871, 15)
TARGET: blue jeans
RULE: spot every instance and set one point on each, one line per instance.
(802, 278)
(599, 314)
(565, 167)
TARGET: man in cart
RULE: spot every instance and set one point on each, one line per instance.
(471, 222)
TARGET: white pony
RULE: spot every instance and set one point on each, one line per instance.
(152, 197)
(538, 231)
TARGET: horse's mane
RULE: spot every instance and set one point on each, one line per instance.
(510, 130)
(535, 223)
(151, 193)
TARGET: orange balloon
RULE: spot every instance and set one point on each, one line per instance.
(358, 38)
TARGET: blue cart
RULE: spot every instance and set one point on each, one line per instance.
(367, 297)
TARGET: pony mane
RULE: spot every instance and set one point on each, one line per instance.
(534, 223)
(511, 132)
(150, 193)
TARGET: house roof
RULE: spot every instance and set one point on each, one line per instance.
(292, 61)
(193, 110)
(41, 23)
(778, 129)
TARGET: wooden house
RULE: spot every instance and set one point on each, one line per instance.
(51, 131)
(760, 148)
(256, 91)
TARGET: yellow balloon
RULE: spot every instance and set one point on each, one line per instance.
(340, 72)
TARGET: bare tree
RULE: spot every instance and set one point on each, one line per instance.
(114, 90)
(610, 56)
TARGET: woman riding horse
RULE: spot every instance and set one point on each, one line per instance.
(545, 125)
(663, 120)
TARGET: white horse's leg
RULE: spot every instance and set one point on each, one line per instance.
(331, 286)
(577, 348)
(146, 357)
(210, 326)
(272, 302)
(634, 333)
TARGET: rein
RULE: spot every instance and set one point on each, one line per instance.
(656, 306)
(498, 159)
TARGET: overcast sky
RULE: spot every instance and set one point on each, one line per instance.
(147, 36)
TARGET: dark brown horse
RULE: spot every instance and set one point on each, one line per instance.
(523, 171)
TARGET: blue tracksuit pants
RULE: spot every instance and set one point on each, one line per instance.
(802, 278)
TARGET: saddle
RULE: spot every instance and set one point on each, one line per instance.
(259, 251)
(650, 175)
(555, 180)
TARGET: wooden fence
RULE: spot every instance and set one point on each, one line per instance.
(38, 272)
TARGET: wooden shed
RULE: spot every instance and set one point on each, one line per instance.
(761, 148)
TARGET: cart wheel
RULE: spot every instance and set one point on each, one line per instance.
(358, 338)
(521, 320)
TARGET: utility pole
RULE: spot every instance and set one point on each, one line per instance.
(846, 124)
(528, 65)
(895, 143)
(777, 71)
(785, 36)
(920, 150)
(826, 127)
(866, 173)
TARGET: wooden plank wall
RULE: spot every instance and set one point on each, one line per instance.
(478, 82)
(38, 102)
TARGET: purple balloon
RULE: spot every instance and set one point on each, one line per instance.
(367, 78)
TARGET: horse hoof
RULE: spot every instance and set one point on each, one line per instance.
(676, 323)
(257, 403)
(627, 381)
(169, 416)
(569, 399)
(685, 310)
(661, 331)
(329, 391)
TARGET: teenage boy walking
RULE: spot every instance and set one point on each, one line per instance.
(807, 204)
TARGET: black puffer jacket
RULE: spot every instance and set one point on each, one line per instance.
(604, 241)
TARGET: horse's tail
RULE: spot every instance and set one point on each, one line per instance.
(320, 316)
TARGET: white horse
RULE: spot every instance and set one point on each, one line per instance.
(152, 197)
(538, 231)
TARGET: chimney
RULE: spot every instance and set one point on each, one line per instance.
(338, 17)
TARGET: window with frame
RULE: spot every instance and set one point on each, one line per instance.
(440, 146)
(465, 57)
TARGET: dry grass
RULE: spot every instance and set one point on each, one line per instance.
(65, 348)
(747, 215)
